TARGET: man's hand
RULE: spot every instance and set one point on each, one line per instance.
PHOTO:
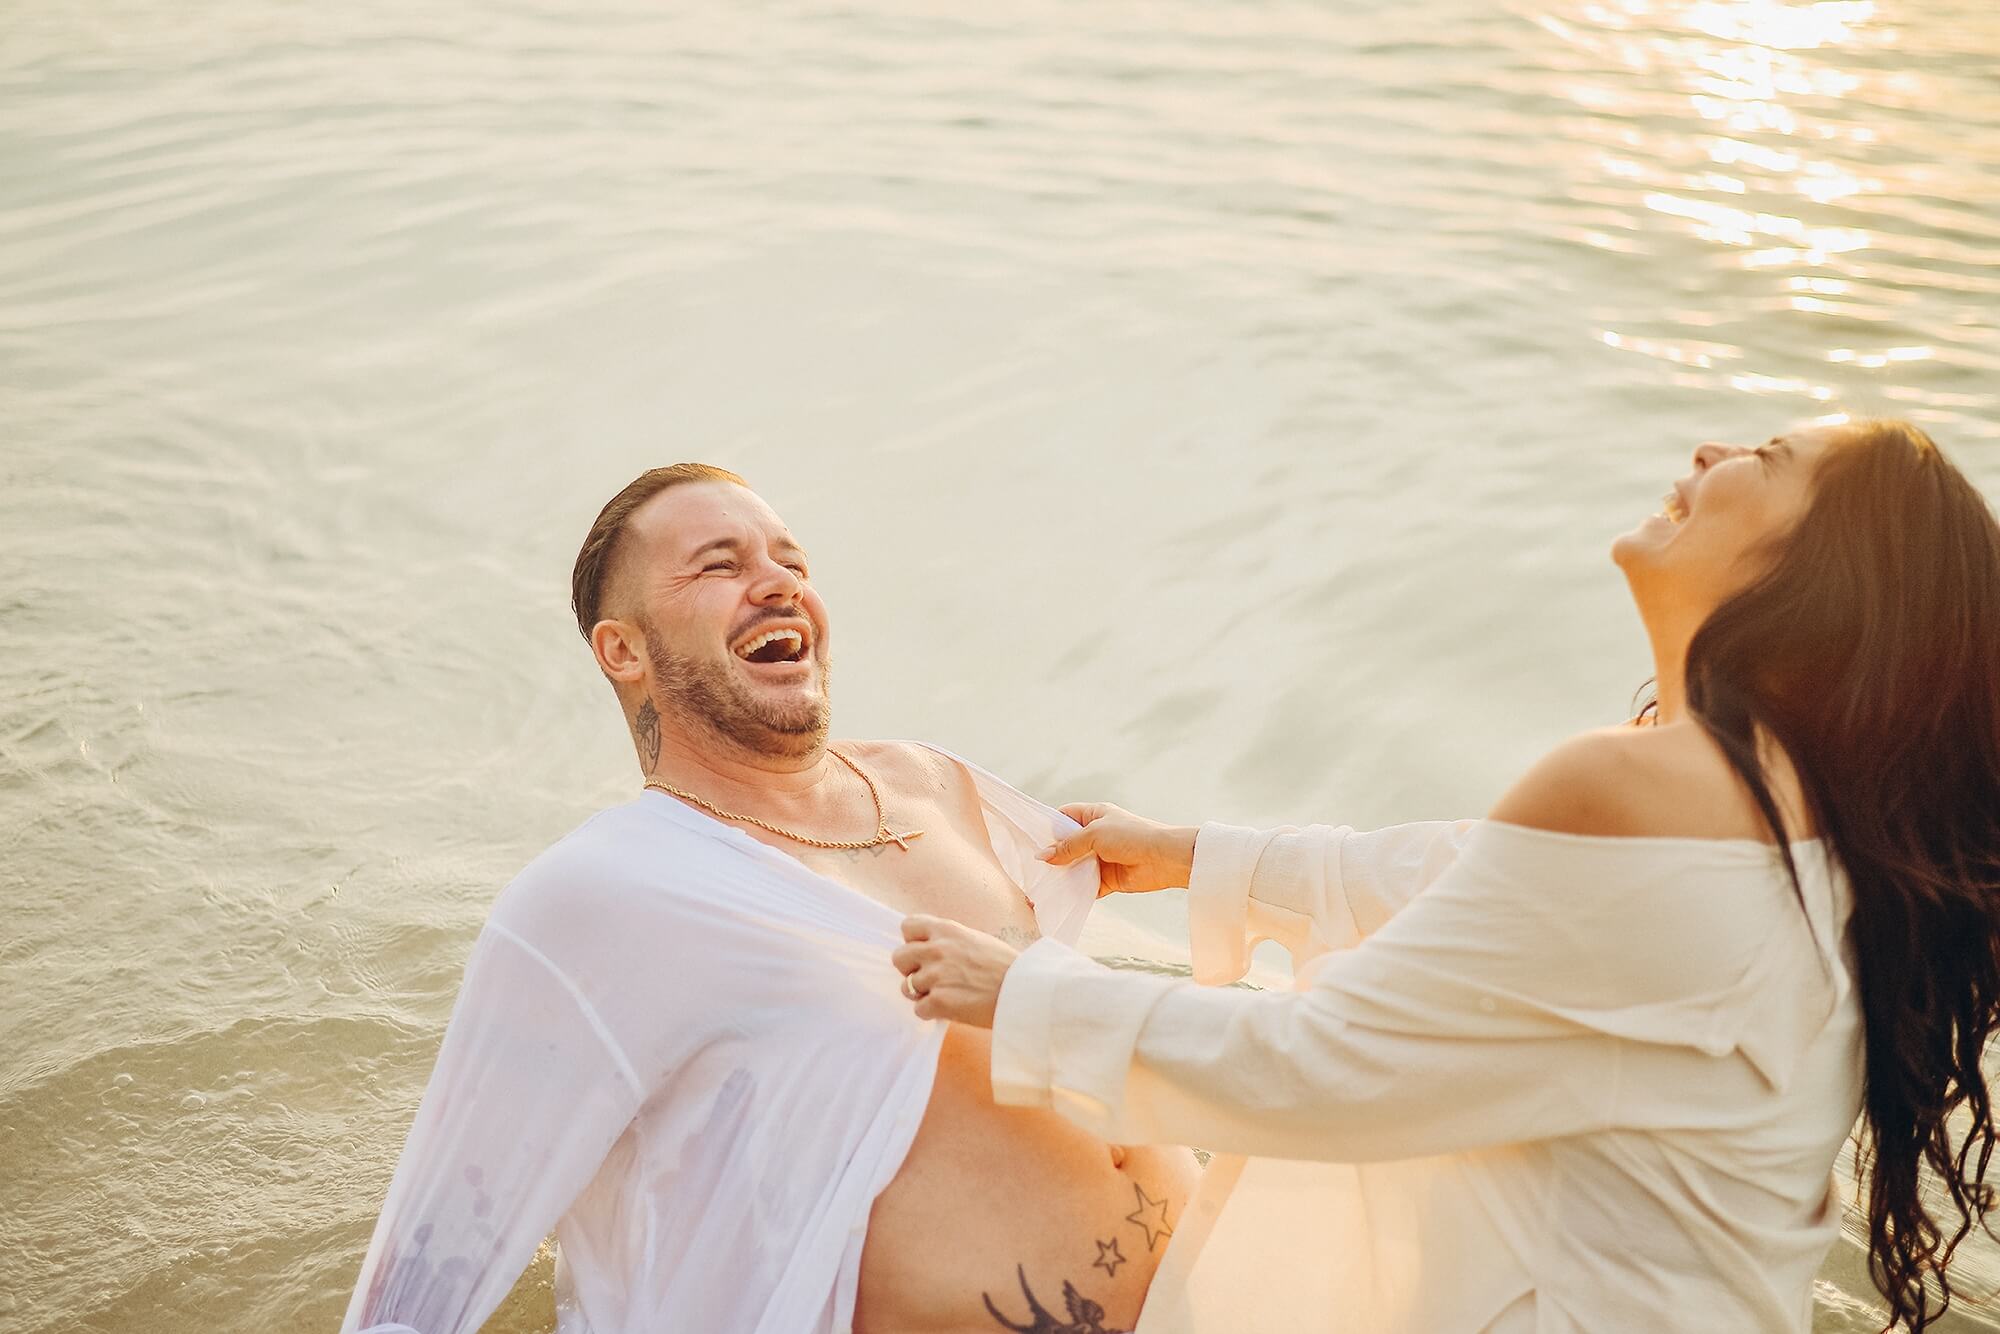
(1134, 855)
(951, 971)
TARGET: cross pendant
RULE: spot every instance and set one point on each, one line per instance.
(903, 840)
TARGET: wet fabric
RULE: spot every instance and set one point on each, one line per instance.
(1528, 1081)
(687, 1054)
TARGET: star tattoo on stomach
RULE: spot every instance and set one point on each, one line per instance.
(1109, 1257)
(1150, 1216)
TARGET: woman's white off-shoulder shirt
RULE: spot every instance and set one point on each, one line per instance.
(1528, 1081)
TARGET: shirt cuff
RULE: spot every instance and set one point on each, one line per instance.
(1225, 857)
(1022, 1060)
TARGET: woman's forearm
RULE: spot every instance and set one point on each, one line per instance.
(1311, 890)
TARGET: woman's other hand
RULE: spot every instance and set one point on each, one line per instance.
(1134, 855)
(950, 970)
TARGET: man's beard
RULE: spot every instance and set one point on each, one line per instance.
(708, 695)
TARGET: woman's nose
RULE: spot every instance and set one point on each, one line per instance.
(1709, 453)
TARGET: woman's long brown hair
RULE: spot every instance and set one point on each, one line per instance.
(1870, 651)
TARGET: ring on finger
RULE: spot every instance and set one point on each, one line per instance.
(910, 987)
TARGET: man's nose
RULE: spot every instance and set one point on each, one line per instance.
(776, 583)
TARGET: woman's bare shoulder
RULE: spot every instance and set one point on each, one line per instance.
(1634, 782)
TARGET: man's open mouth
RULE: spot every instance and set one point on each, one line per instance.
(782, 643)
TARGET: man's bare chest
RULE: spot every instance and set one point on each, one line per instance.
(944, 873)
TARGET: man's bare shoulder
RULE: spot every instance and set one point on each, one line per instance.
(913, 769)
(1634, 782)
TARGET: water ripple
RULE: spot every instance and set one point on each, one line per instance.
(1327, 345)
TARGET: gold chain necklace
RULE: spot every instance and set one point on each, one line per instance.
(882, 833)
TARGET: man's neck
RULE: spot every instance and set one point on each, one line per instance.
(705, 765)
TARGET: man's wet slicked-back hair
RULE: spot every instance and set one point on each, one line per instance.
(598, 558)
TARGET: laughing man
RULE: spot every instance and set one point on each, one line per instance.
(679, 1042)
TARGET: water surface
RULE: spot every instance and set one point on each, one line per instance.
(1224, 410)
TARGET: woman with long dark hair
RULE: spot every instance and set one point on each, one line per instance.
(1586, 1064)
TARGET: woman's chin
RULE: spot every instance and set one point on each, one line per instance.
(1642, 543)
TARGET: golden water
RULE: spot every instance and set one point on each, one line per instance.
(1223, 409)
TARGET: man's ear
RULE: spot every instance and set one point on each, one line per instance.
(620, 650)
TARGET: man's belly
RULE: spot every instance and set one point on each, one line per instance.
(1009, 1218)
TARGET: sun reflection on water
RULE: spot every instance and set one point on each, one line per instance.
(1749, 143)
(1781, 26)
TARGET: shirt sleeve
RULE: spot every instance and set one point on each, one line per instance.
(1311, 890)
(1475, 1016)
(529, 1093)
